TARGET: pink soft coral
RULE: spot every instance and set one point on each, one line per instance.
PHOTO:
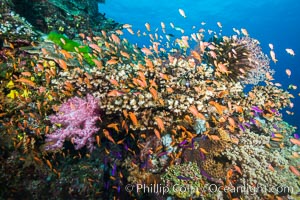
(77, 118)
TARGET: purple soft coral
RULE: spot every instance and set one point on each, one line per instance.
(77, 118)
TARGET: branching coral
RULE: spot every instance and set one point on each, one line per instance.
(77, 118)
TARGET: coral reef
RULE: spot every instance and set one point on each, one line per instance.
(143, 114)
(68, 17)
(14, 27)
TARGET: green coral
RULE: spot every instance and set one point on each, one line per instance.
(184, 180)
(68, 45)
(71, 46)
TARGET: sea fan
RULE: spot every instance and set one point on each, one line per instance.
(243, 57)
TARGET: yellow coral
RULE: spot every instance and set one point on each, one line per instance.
(13, 94)
(26, 93)
(10, 84)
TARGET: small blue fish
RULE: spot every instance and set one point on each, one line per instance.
(296, 136)
(184, 178)
(252, 121)
(247, 124)
(182, 143)
(272, 134)
(192, 144)
(125, 146)
(256, 109)
(113, 171)
(204, 173)
(202, 155)
(162, 154)
(106, 185)
(241, 127)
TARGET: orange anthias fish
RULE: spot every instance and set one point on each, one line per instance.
(214, 137)
(290, 51)
(154, 93)
(112, 62)
(114, 93)
(288, 72)
(114, 82)
(95, 47)
(114, 126)
(62, 64)
(273, 56)
(157, 133)
(195, 112)
(223, 69)
(160, 124)
(26, 81)
(98, 63)
(196, 55)
(231, 122)
(294, 170)
(108, 136)
(295, 141)
(245, 32)
(182, 13)
(133, 118)
(115, 39)
(218, 106)
(125, 54)
(98, 141)
(146, 51)
(149, 64)
(66, 54)
(148, 26)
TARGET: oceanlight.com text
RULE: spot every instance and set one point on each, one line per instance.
(211, 188)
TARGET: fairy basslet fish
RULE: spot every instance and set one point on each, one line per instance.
(256, 109)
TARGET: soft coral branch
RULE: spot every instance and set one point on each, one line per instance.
(77, 118)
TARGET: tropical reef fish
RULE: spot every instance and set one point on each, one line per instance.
(182, 13)
(273, 56)
(288, 72)
(295, 141)
(148, 26)
(184, 178)
(294, 170)
(245, 32)
(271, 46)
(290, 51)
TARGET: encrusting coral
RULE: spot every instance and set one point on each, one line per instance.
(183, 180)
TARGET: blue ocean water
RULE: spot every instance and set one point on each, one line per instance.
(269, 21)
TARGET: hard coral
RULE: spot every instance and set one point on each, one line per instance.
(77, 118)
